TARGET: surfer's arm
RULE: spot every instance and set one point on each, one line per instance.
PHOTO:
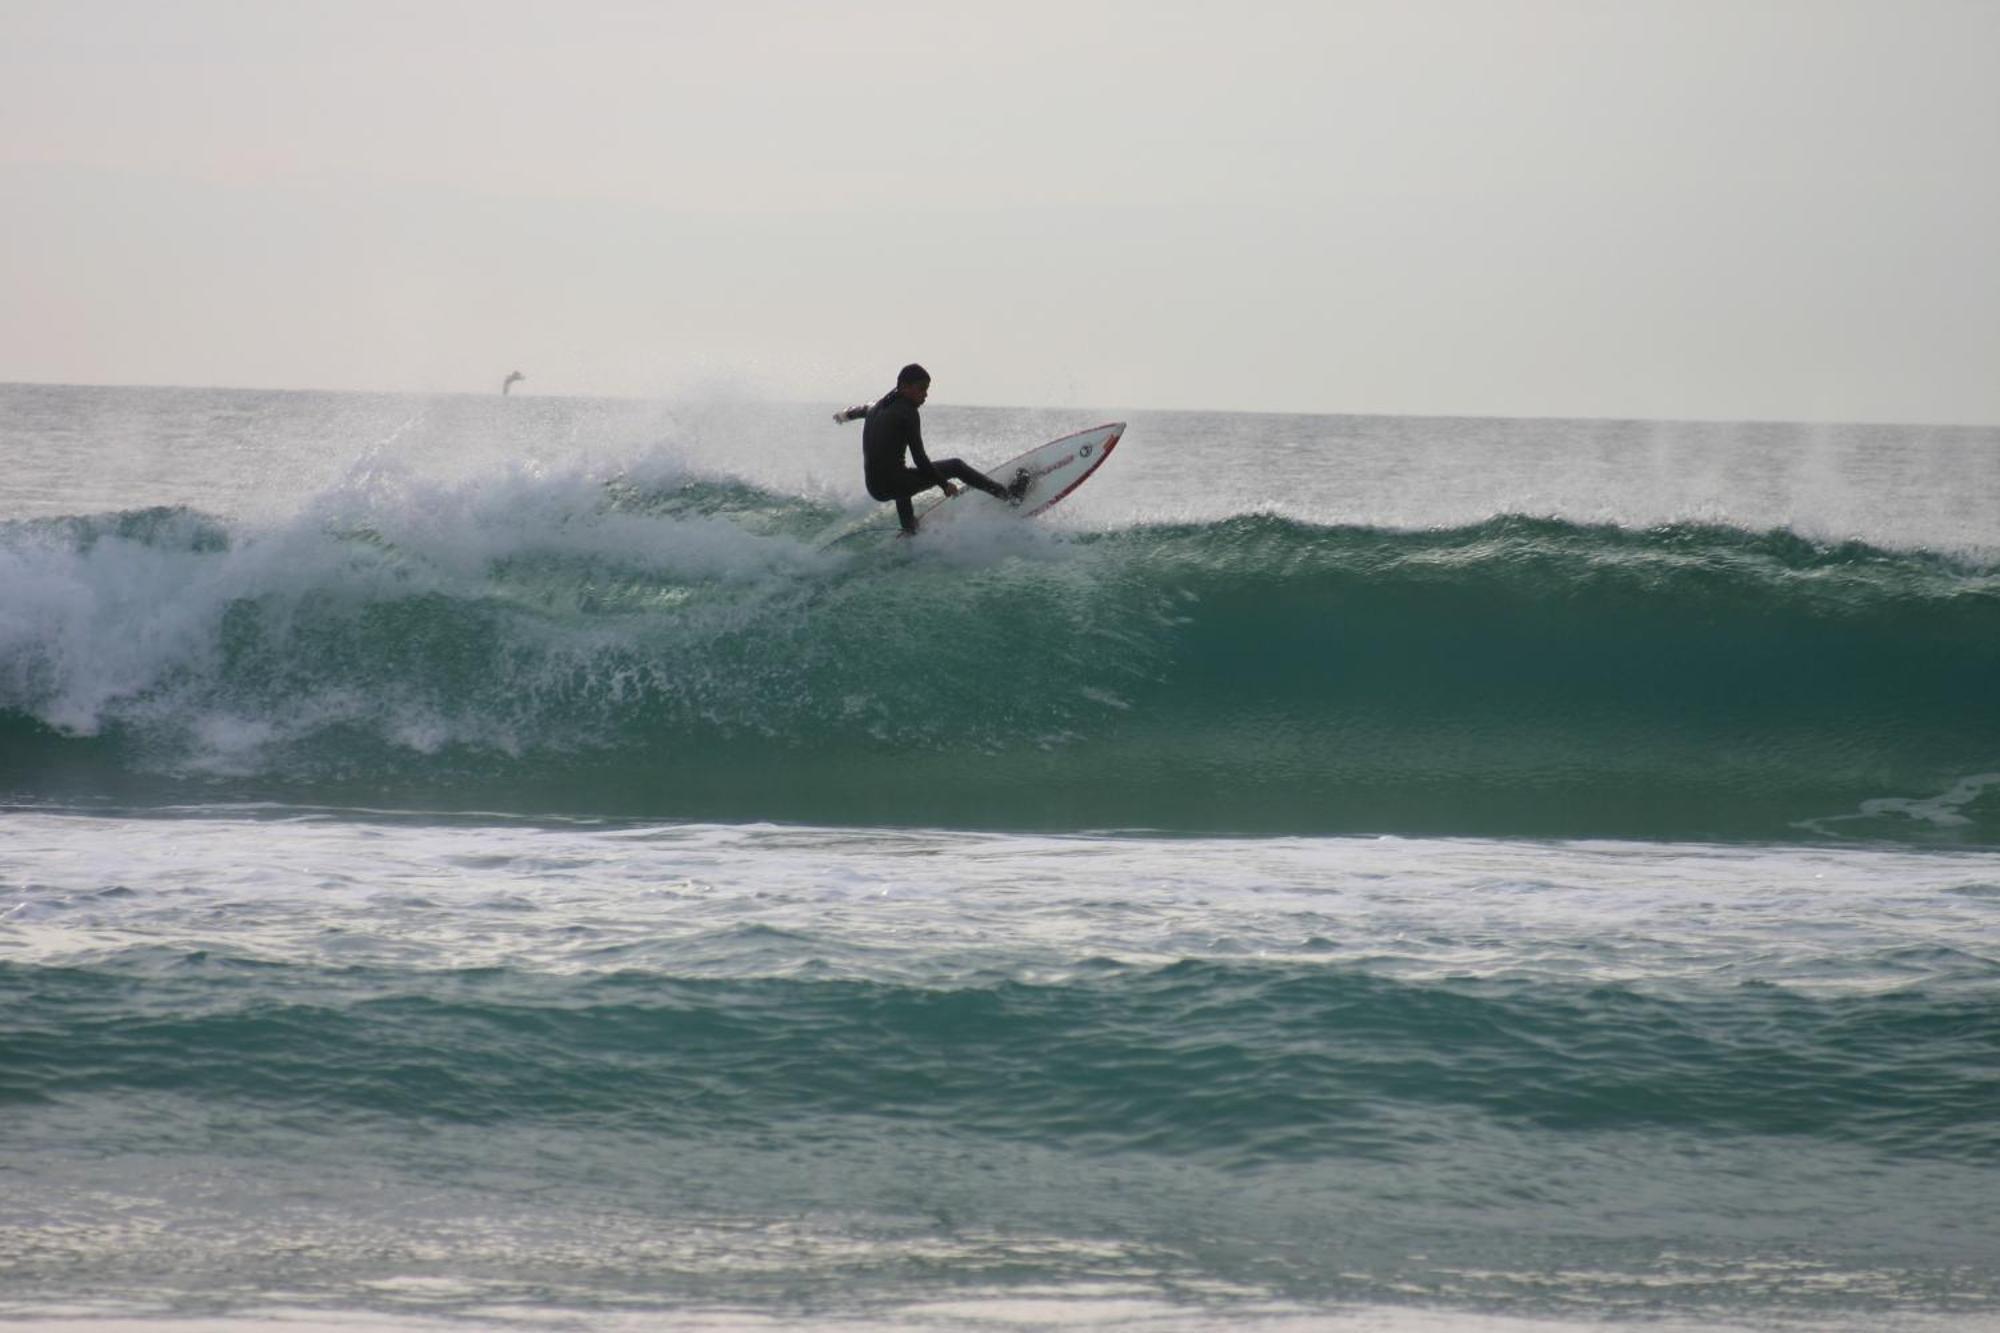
(847, 414)
(921, 461)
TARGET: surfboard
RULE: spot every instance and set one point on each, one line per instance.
(1053, 470)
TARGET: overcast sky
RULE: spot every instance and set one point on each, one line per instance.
(1653, 208)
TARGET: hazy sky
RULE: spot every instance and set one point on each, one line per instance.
(1665, 208)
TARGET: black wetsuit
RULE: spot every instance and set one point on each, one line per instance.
(894, 428)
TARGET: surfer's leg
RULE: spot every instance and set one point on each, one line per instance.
(957, 469)
(899, 486)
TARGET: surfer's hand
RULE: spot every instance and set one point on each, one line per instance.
(949, 489)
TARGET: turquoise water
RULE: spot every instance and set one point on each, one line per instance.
(488, 862)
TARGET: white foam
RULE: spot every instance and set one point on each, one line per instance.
(124, 626)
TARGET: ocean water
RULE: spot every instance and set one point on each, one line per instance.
(470, 862)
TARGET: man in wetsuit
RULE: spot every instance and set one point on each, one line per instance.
(894, 428)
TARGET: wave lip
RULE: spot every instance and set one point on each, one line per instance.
(679, 648)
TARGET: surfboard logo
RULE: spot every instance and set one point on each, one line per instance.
(1084, 452)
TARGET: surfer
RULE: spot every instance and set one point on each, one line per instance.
(513, 378)
(895, 428)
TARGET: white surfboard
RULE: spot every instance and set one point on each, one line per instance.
(1053, 471)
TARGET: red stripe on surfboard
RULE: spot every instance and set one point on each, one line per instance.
(1061, 439)
(1102, 454)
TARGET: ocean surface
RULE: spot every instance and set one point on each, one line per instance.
(481, 862)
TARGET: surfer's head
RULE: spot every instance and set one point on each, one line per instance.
(914, 382)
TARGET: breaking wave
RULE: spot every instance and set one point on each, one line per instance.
(686, 647)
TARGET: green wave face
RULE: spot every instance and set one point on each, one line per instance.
(693, 653)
